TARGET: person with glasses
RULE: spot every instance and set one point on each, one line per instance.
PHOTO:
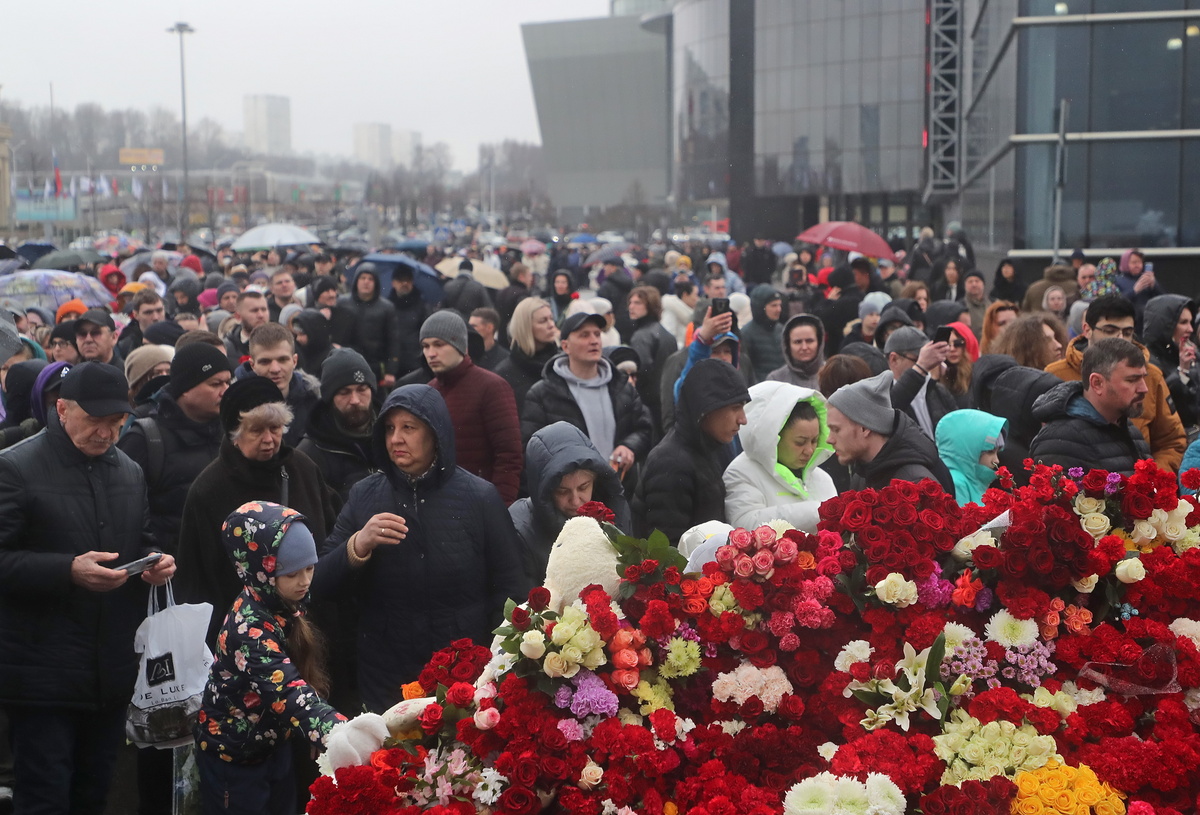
(96, 338)
(917, 365)
(1113, 317)
(61, 347)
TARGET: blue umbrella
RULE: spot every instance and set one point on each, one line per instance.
(50, 288)
(425, 277)
(582, 237)
(408, 245)
(32, 250)
(780, 248)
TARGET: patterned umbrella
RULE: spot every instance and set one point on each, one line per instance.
(50, 288)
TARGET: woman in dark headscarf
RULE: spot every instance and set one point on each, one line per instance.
(313, 341)
(1007, 286)
(560, 292)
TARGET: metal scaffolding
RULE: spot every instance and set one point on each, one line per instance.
(944, 117)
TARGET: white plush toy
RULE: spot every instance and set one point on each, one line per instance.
(582, 555)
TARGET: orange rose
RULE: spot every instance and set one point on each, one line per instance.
(412, 690)
(645, 657)
(621, 640)
(805, 560)
(626, 659)
(693, 605)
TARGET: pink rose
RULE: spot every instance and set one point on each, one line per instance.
(487, 718)
(764, 561)
(786, 551)
(743, 566)
(741, 538)
(625, 679)
(726, 554)
(764, 536)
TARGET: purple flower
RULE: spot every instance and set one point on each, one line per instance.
(1075, 472)
(562, 696)
(983, 600)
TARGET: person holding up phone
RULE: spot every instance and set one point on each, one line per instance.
(72, 506)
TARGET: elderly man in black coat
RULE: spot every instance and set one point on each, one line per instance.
(72, 508)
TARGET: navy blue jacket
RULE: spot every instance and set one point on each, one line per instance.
(447, 579)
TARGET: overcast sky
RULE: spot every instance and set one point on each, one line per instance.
(454, 70)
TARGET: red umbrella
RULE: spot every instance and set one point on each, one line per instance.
(849, 237)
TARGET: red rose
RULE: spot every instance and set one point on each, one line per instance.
(791, 707)
(753, 641)
(932, 520)
(752, 708)
(539, 598)
(1137, 505)
(906, 515)
(596, 510)
(856, 516)
(460, 694)
(441, 658)
(520, 618)
(1094, 481)
(518, 801)
(465, 672)
(431, 718)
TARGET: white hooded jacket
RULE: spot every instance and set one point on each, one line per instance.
(758, 489)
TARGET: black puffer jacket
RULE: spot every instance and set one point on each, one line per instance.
(343, 459)
(550, 401)
(448, 579)
(654, 345)
(615, 289)
(522, 371)
(553, 452)
(60, 644)
(376, 331)
(1013, 394)
(316, 330)
(411, 312)
(1158, 335)
(206, 574)
(188, 447)
(1075, 435)
(464, 294)
(906, 456)
(681, 484)
(984, 373)
(762, 338)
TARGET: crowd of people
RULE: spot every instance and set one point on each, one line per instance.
(361, 473)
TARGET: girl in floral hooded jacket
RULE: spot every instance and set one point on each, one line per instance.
(267, 680)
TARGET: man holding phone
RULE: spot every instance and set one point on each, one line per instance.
(72, 506)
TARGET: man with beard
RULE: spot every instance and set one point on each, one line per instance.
(339, 430)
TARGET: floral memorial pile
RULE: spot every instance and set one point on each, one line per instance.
(1034, 654)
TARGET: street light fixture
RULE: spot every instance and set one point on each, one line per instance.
(181, 29)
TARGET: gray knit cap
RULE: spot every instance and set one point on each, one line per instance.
(868, 402)
(448, 326)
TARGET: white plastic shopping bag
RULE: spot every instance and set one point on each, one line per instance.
(172, 673)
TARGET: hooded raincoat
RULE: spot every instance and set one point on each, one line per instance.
(255, 698)
(553, 452)
(1158, 333)
(762, 338)
(962, 436)
(758, 489)
(450, 576)
(793, 371)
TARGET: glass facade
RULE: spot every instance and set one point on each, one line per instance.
(701, 99)
(1119, 76)
(621, 8)
(839, 101)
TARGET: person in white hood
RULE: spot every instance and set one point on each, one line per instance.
(778, 474)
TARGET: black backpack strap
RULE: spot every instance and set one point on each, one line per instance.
(156, 452)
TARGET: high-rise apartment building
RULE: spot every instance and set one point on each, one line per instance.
(268, 124)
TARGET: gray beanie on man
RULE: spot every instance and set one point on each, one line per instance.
(448, 326)
(868, 402)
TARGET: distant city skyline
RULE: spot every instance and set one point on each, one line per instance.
(460, 78)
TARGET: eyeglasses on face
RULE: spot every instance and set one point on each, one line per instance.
(1110, 330)
(61, 343)
(958, 343)
(95, 332)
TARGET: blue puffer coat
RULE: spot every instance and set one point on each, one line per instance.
(447, 579)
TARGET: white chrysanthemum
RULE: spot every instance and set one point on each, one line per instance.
(827, 750)
(854, 651)
(956, 635)
(780, 526)
(812, 795)
(1183, 627)
(885, 797)
(732, 728)
(850, 797)
(491, 784)
(1010, 632)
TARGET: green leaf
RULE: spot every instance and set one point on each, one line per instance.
(933, 668)
(509, 605)
(869, 698)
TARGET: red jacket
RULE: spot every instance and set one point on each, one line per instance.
(487, 432)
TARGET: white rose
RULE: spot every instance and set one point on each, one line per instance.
(1158, 519)
(1130, 570)
(563, 631)
(572, 654)
(1173, 531)
(533, 644)
(1143, 532)
(1095, 524)
(1085, 505)
(556, 665)
(963, 549)
(895, 590)
(591, 775)
(1087, 584)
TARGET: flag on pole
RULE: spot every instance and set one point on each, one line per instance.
(116, 189)
(105, 189)
(85, 185)
(73, 187)
(48, 191)
(58, 185)
(164, 190)
(136, 188)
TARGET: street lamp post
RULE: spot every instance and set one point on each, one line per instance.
(181, 29)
